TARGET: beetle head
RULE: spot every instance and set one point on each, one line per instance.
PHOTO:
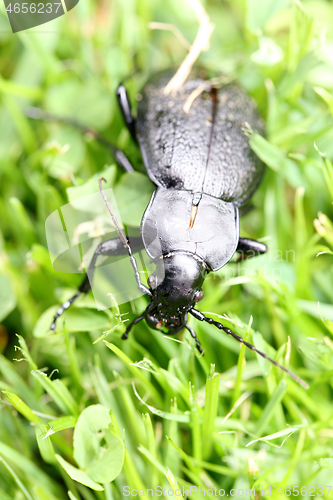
(175, 293)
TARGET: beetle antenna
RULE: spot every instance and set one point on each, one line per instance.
(119, 155)
(201, 317)
(144, 289)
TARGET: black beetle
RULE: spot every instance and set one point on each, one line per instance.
(204, 169)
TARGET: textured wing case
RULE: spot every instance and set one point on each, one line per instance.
(188, 151)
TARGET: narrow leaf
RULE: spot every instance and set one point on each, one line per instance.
(78, 475)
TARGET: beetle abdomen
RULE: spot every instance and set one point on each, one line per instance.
(205, 150)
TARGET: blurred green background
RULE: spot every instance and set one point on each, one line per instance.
(281, 52)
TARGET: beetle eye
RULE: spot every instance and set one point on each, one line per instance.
(198, 295)
(172, 275)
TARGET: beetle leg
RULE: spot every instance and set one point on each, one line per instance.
(194, 336)
(126, 110)
(109, 247)
(250, 248)
(130, 326)
(119, 155)
(143, 288)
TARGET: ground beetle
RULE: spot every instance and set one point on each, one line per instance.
(204, 170)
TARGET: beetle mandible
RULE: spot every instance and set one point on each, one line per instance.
(204, 170)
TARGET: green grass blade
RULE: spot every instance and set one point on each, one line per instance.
(271, 407)
(58, 392)
(17, 480)
(136, 372)
(210, 412)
